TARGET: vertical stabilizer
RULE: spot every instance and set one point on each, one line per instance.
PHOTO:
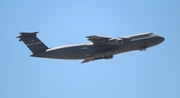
(32, 42)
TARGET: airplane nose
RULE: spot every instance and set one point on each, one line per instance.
(161, 39)
(158, 39)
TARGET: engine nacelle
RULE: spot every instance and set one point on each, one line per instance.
(118, 41)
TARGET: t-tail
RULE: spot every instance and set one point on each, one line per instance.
(32, 42)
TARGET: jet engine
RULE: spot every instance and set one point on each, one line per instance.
(118, 41)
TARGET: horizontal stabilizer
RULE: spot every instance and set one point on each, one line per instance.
(26, 34)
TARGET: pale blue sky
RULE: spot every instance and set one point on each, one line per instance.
(154, 73)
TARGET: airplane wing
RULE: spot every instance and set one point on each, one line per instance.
(97, 40)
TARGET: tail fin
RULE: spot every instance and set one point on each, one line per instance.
(32, 42)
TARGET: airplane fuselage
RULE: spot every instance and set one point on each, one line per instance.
(106, 51)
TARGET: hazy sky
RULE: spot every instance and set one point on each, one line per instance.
(154, 73)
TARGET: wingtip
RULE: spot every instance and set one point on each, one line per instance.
(87, 60)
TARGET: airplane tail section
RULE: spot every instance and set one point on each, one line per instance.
(32, 42)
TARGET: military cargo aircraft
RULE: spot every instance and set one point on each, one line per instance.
(99, 47)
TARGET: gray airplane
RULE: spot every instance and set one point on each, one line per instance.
(99, 47)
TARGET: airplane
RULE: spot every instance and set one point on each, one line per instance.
(99, 48)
